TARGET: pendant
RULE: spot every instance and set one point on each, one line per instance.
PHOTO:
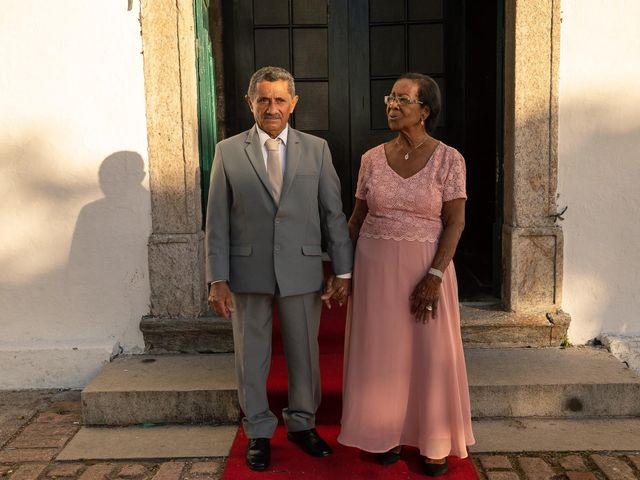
(406, 157)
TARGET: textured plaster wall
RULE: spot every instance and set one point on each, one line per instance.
(75, 211)
(599, 163)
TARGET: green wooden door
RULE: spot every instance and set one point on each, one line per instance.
(207, 135)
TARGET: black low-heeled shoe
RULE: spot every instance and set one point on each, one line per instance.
(388, 458)
(435, 469)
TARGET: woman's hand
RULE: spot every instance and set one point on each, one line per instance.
(337, 289)
(424, 299)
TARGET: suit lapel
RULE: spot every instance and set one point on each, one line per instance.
(293, 160)
(254, 152)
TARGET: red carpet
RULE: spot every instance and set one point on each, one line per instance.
(289, 462)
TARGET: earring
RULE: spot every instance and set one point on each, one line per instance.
(422, 122)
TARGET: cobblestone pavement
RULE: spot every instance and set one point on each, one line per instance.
(35, 426)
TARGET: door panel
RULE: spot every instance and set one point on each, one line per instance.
(345, 56)
(297, 35)
(388, 39)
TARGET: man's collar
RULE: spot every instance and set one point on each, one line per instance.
(264, 136)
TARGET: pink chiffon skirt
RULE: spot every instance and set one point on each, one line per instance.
(405, 383)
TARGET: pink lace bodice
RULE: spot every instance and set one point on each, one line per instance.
(409, 208)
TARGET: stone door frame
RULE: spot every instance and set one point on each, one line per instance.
(532, 242)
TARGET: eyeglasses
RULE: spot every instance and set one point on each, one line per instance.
(402, 101)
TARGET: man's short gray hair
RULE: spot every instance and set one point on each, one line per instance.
(270, 74)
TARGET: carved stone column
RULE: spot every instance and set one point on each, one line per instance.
(176, 247)
(532, 241)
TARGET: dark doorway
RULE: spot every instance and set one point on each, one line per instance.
(345, 56)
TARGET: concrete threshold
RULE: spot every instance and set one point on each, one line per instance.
(492, 436)
(158, 442)
(556, 435)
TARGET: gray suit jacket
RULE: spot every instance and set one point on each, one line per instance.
(254, 243)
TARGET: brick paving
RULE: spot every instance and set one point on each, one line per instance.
(614, 468)
(581, 476)
(573, 463)
(133, 471)
(493, 462)
(559, 466)
(205, 468)
(170, 471)
(28, 453)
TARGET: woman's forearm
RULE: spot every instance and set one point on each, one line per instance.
(447, 246)
(453, 220)
(357, 219)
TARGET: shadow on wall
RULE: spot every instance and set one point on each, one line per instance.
(107, 267)
(97, 298)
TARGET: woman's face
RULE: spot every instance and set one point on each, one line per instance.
(400, 117)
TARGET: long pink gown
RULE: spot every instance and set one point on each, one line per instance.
(405, 383)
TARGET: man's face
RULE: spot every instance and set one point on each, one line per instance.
(272, 105)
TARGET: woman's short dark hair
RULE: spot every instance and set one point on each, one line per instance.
(429, 95)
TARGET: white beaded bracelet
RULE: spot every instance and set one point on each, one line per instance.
(436, 272)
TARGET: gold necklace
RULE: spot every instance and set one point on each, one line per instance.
(406, 156)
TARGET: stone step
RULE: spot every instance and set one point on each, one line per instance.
(161, 389)
(556, 435)
(492, 436)
(550, 382)
(510, 382)
(482, 325)
(142, 443)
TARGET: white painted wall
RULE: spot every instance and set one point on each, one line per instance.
(599, 165)
(75, 206)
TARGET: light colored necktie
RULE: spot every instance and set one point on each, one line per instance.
(274, 166)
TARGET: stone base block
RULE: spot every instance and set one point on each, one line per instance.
(533, 268)
(187, 335)
(482, 326)
(488, 326)
(176, 273)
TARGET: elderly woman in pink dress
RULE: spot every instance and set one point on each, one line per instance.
(405, 380)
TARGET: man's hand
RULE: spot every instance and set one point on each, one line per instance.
(220, 299)
(337, 289)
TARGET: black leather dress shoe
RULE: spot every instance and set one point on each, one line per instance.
(310, 442)
(258, 453)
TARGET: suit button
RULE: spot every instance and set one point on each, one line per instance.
(277, 248)
(277, 220)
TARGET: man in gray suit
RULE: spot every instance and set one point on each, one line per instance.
(273, 190)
